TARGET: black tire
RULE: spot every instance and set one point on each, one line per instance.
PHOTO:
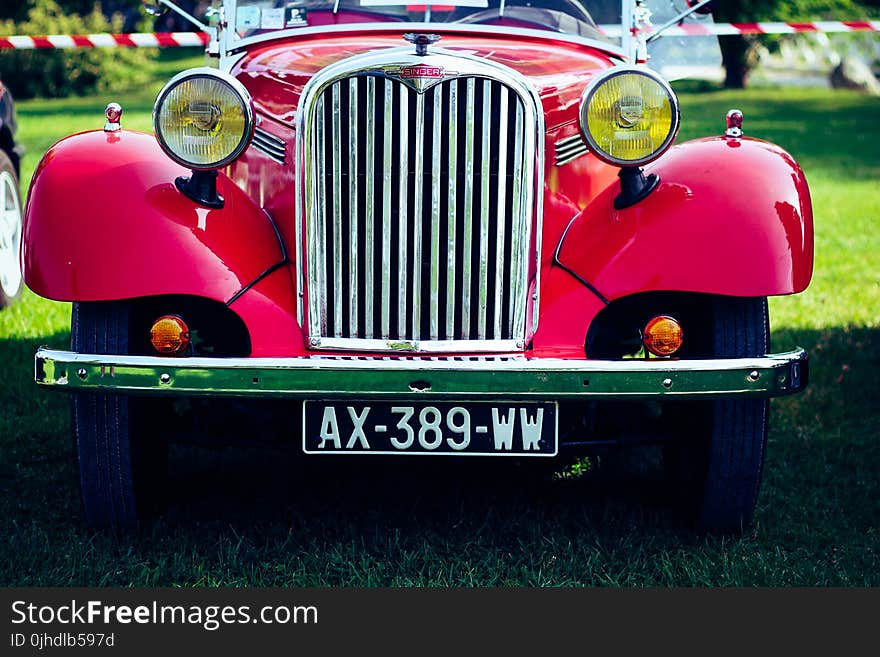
(122, 459)
(10, 232)
(717, 466)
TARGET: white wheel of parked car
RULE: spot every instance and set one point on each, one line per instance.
(10, 232)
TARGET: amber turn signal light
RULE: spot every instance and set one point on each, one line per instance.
(662, 335)
(169, 335)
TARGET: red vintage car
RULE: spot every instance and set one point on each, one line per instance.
(422, 231)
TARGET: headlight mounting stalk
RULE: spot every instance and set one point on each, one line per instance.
(201, 187)
(634, 186)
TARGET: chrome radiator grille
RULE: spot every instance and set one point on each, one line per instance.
(418, 229)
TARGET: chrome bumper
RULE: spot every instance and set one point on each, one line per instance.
(353, 377)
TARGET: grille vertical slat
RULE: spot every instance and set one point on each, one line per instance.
(500, 262)
(353, 293)
(436, 179)
(452, 212)
(369, 209)
(518, 245)
(317, 229)
(404, 214)
(336, 140)
(418, 192)
(436, 246)
(485, 179)
(387, 142)
(467, 232)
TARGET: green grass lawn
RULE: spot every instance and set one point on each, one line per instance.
(253, 518)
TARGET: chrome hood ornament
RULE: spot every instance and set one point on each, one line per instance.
(421, 41)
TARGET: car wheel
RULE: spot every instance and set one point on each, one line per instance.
(716, 463)
(122, 457)
(10, 232)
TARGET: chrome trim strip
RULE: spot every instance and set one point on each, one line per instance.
(535, 199)
(416, 357)
(519, 263)
(302, 209)
(500, 265)
(413, 346)
(467, 241)
(270, 142)
(337, 210)
(570, 145)
(386, 207)
(451, 211)
(563, 153)
(570, 156)
(767, 376)
(403, 220)
(571, 139)
(434, 314)
(485, 175)
(318, 229)
(572, 148)
(369, 200)
(270, 145)
(417, 217)
(353, 209)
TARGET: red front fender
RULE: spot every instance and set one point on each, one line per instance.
(731, 217)
(105, 221)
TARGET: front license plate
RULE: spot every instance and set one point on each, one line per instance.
(478, 428)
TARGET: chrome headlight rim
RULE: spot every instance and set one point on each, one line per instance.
(237, 87)
(594, 86)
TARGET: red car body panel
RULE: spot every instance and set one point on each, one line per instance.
(567, 309)
(105, 221)
(731, 217)
(275, 73)
(268, 310)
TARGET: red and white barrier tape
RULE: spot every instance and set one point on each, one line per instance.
(177, 39)
(133, 40)
(722, 29)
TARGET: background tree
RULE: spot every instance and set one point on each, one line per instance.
(130, 10)
(737, 52)
(58, 73)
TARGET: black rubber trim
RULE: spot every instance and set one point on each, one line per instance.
(270, 270)
(583, 282)
(235, 297)
(558, 263)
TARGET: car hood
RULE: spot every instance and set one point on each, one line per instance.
(276, 72)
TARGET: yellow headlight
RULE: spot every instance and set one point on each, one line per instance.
(629, 116)
(203, 118)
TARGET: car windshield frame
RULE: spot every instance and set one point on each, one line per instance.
(623, 29)
(241, 29)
